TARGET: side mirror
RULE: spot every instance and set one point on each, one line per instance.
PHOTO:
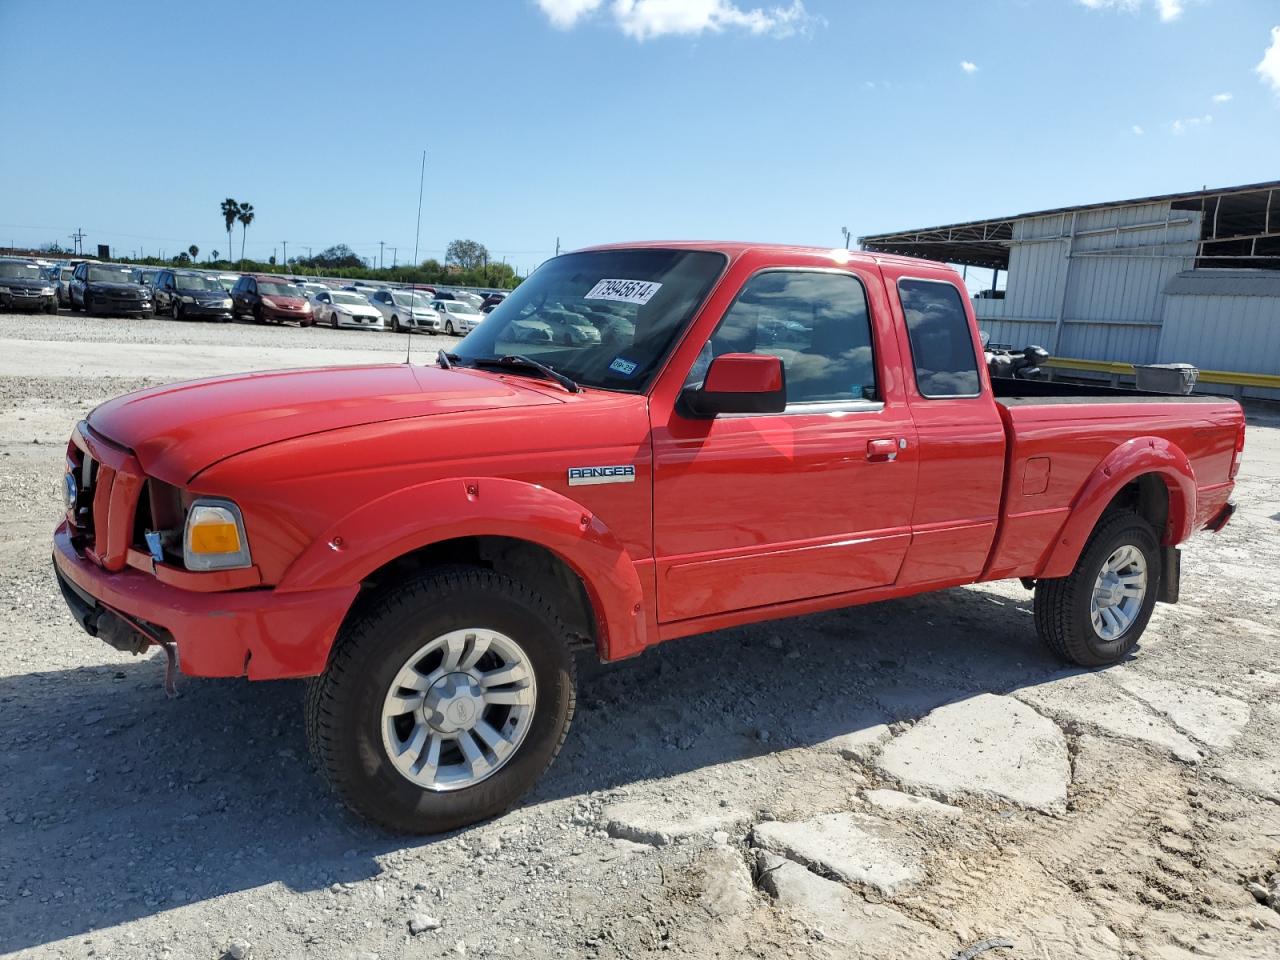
(739, 383)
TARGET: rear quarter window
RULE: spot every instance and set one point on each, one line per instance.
(941, 342)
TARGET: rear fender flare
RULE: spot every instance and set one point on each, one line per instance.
(416, 517)
(1127, 462)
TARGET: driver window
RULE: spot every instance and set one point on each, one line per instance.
(816, 323)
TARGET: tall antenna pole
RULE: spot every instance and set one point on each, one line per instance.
(417, 231)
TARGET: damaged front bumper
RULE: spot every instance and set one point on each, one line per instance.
(265, 634)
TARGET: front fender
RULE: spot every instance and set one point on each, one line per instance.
(1127, 462)
(418, 516)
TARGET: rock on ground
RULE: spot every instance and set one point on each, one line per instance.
(1210, 717)
(989, 746)
(724, 881)
(895, 803)
(657, 824)
(861, 929)
(852, 847)
(1091, 699)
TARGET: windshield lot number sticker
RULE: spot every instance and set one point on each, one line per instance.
(585, 476)
(623, 366)
(624, 291)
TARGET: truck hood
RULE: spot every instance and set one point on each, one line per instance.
(178, 430)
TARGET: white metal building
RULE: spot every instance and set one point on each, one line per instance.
(1189, 277)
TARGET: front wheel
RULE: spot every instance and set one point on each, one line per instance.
(444, 702)
(448, 327)
(1095, 615)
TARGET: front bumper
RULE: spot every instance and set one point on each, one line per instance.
(199, 310)
(265, 634)
(304, 318)
(360, 323)
(120, 308)
(12, 301)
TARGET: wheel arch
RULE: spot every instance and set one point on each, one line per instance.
(531, 533)
(1149, 475)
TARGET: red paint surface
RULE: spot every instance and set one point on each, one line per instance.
(729, 520)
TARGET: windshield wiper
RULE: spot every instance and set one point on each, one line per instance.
(520, 362)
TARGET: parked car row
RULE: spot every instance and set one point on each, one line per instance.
(190, 294)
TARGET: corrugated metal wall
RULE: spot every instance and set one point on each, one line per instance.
(1110, 298)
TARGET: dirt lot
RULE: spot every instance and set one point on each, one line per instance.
(902, 780)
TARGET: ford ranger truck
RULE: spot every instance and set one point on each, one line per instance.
(757, 432)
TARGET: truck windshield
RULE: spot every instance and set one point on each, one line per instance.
(606, 318)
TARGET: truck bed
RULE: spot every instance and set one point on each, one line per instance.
(1032, 393)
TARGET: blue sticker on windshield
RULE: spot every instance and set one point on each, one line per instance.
(623, 366)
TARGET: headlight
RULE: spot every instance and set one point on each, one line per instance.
(46, 291)
(267, 302)
(184, 298)
(214, 536)
(4, 289)
(306, 306)
(225, 303)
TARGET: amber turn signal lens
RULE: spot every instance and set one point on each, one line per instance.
(215, 537)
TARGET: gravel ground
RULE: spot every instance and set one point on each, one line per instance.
(908, 779)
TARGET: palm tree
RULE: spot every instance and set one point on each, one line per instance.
(245, 216)
(213, 255)
(194, 251)
(230, 210)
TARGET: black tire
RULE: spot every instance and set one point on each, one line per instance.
(448, 328)
(257, 315)
(52, 308)
(395, 324)
(87, 303)
(175, 308)
(148, 314)
(1063, 605)
(343, 705)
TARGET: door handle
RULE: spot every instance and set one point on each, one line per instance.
(882, 451)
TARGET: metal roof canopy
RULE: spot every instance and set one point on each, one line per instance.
(1231, 222)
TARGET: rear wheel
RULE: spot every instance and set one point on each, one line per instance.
(1095, 615)
(444, 702)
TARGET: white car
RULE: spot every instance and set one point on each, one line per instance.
(459, 316)
(406, 311)
(341, 308)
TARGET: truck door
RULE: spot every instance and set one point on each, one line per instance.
(752, 510)
(961, 436)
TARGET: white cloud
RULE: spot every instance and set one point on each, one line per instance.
(1138, 131)
(1169, 10)
(1190, 123)
(645, 19)
(1269, 68)
(968, 66)
(1222, 98)
(565, 13)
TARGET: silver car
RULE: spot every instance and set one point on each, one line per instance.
(459, 316)
(406, 310)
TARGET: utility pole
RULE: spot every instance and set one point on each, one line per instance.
(78, 237)
(379, 254)
(285, 245)
(393, 258)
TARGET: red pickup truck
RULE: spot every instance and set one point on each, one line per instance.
(642, 442)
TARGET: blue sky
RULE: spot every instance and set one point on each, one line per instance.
(600, 120)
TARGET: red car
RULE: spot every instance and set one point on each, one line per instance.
(429, 542)
(269, 299)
